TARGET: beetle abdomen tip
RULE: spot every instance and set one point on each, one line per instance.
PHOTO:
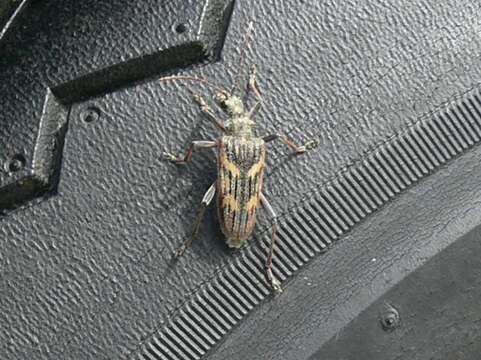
(235, 243)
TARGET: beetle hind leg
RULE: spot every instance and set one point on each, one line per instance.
(273, 282)
(208, 196)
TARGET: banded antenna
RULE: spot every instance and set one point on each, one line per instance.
(245, 45)
(193, 78)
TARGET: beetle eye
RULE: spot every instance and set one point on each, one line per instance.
(220, 97)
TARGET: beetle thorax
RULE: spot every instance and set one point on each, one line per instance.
(240, 125)
(239, 122)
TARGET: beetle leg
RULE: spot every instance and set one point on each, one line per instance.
(188, 155)
(254, 109)
(296, 148)
(207, 111)
(252, 85)
(207, 199)
(275, 284)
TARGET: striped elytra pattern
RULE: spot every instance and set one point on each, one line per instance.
(239, 184)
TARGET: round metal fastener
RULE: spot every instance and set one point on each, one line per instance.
(15, 163)
(180, 28)
(90, 114)
(390, 319)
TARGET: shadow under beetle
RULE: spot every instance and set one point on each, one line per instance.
(240, 164)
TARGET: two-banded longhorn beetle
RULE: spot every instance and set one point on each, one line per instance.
(240, 165)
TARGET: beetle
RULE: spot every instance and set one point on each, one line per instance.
(241, 157)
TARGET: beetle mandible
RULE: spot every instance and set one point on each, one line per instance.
(241, 158)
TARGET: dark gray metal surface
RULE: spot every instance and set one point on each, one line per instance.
(86, 273)
(326, 214)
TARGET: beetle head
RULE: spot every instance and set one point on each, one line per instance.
(231, 104)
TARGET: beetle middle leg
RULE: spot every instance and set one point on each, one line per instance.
(274, 283)
(188, 154)
(207, 199)
(295, 148)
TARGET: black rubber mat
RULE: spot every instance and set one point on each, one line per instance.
(90, 214)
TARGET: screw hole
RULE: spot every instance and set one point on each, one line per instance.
(90, 115)
(180, 28)
(390, 319)
(16, 163)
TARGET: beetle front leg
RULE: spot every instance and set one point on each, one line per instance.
(208, 196)
(188, 155)
(274, 283)
(295, 148)
(252, 85)
(207, 111)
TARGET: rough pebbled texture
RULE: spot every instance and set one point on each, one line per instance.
(86, 274)
(55, 53)
(68, 51)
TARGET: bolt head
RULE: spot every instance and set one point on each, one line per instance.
(15, 163)
(390, 319)
(90, 115)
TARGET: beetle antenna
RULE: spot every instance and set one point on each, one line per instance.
(245, 45)
(193, 78)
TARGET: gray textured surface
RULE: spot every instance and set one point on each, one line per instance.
(350, 75)
(56, 45)
(438, 306)
(58, 287)
(73, 50)
(322, 306)
(319, 223)
(86, 273)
